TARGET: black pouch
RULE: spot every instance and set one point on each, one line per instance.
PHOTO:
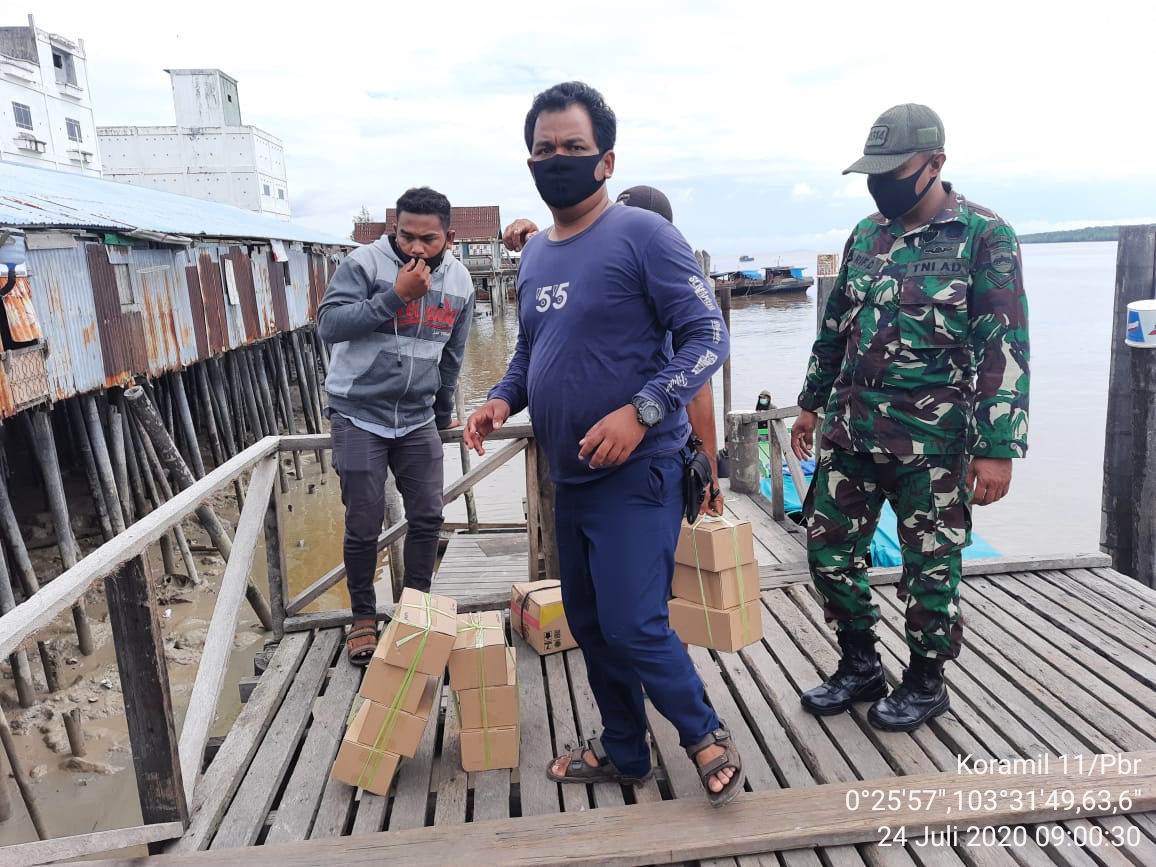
(695, 478)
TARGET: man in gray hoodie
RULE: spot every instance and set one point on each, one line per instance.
(397, 313)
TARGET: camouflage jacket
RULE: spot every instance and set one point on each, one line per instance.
(924, 342)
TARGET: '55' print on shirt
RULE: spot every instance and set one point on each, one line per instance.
(551, 296)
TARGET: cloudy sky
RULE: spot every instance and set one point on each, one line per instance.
(744, 113)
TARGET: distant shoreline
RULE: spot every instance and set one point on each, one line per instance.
(1090, 233)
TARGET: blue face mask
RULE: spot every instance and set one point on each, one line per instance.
(564, 181)
(893, 197)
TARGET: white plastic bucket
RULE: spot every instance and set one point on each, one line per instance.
(1141, 330)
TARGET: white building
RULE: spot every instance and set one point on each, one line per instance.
(45, 105)
(209, 154)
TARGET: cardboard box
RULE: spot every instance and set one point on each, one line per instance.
(422, 633)
(536, 614)
(486, 749)
(383, 684)
(479, 655)
(727, 589)
(729, 630)
(389, 728)
(364, 767)
(499, 700)
(720, 545)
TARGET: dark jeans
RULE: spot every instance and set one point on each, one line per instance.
(616, 539)
(363, 461)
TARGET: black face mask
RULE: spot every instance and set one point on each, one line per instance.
(432, 261)
(894, 198)
(564, 181)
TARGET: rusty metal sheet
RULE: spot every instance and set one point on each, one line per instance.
(262, 291)
(213, 293)
(317, 283)
(23, 324)
(243, 275)
(197, 305)
(162, 340)
(63, 298)
(119, 338)
(298, 291)
(277, 294)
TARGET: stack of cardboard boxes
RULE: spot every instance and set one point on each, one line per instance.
(716, 586)
(398, 691)
(484, 678)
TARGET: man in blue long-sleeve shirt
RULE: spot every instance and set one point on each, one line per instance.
(597, 295)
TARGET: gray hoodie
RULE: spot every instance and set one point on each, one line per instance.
(394, 363)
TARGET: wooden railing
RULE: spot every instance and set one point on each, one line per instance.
(167, 765)
(743, 430)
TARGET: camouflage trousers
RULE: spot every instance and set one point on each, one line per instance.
(929, 497)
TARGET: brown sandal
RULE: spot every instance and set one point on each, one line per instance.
(578, 770)
(361, 642)
(729, 759)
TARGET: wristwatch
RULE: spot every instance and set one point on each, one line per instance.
(649, 412)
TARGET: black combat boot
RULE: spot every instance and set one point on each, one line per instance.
(859, 676)
(920, 696)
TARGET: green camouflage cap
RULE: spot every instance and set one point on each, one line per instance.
(898, 134)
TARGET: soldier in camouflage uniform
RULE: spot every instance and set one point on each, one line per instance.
(921, 366)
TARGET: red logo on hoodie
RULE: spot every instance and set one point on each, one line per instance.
(439, 318)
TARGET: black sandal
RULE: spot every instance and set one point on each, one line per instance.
(578, 770)
(358, 649)
(729, 759)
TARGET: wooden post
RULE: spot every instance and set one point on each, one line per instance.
(823, 291)
(471, 506)
(152, 478)
(277, 565)
(21, 673)
(533, 516)
(394, 512)
(207, 412)
(5, 801)
(1135, 280)
(74, 732)
(249, 394)
(80, 437)
(743, 442)
(1144, 464)
(221, 408)
(322, 352)
(162, 493)
(144, 681)
(188, 430)
(146, 413)
(120, 460)
(315, 393)
(236, 398)
(103, 464)
(312, 423)
(546, 516)
(286, 401)
(41, 436)
(257, 362)
(21, 780)
(775, 472)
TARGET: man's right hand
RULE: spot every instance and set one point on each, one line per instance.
(518, 233)
(803, 434)
(413, 280)
(490, 416)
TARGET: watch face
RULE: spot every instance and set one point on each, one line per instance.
(651, 414)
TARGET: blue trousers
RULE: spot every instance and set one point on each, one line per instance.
(616, 539)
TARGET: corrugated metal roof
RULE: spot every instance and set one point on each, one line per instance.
(39, 197)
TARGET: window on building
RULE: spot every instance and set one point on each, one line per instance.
(124, 285)
(266, 190)
(73, 130)
(65, 67)
(23, 115)
(280, 193)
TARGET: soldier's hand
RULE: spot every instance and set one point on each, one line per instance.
(803, 434)
(988, 480)
(413, 280)
(518, 233)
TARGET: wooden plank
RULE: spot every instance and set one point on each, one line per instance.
(534, 515)
(414, 779)
(664, 832)
(487, 601)
(1135, 613)
(452, 781)
(451, 493)
(276, 563)
(574, 797)
(63, 848)
(301, 799)
(144, 682)
(309, 442)
(206, 693)
(215, 790)
(245, 818)
(798, 477)
(783, 545)
(588, 720)
(538, 794)
(492, 795)
(69, 586)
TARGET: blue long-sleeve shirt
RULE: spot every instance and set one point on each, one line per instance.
(596, 316)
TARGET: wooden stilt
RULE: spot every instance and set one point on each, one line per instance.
(120, 460)
(84, 447)
(149, 477)
(21, 780)
(5, 800)
(21, 673)
(167, 453)
(315, 394)
(286, 402)
(45, 445)
(201, 378)
(322, 351)
(471, 506)
(236, 395)
(73, 731)
(177, 385)
(261, 377)
(253, 403)
(103, 462)
(221, 408)
(312, 423)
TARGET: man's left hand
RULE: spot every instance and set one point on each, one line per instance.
(613, 438)
(712, 503)
(988, 480)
